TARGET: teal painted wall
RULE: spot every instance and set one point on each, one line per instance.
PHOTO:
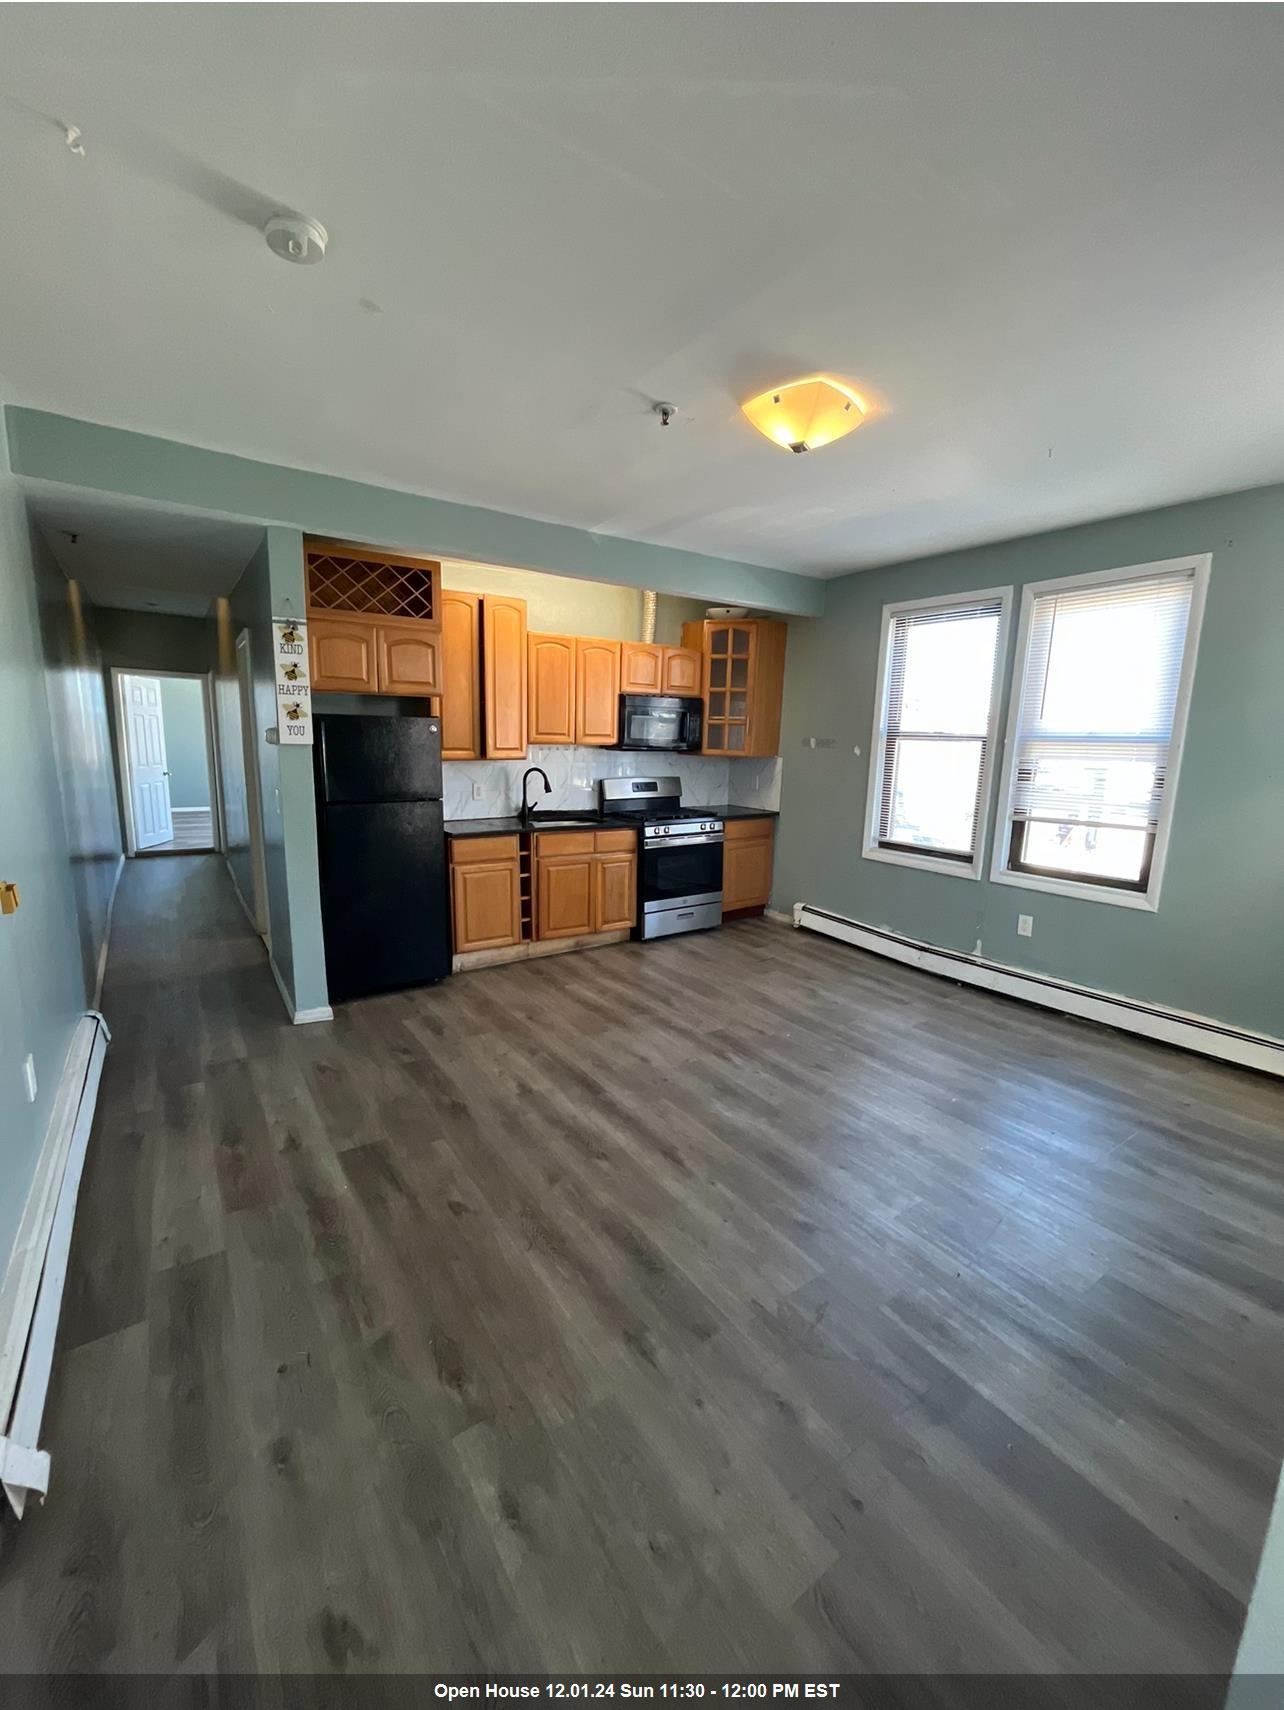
(59, 837)
(273, 584)
(183, 703)
(58, 448)
(1215, 947)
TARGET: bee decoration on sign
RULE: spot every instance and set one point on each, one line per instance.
(289, 636)
(290, 673)
(294, 712)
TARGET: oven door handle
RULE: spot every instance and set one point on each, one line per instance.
(681, 842)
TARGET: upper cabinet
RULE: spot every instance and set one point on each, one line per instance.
(341, 655)
(744, 669)
(641, 668)
(646, 668)
(461, 731)
(551, 713)
(597, 692)
(682, 671)
(504, 676)
(374, 620)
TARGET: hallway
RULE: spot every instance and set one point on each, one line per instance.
(637, 1310)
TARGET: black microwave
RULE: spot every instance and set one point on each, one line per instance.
(669, 724)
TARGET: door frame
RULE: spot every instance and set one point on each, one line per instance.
(206, 679)
(260, 918)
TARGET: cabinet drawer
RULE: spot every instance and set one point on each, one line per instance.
(746, 830)
(622, 842)
(553, 843)
(470, 851)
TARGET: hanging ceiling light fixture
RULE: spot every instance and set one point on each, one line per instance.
(806, 414)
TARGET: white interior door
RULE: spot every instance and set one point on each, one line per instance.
(148, 774)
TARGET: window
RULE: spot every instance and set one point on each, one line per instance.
(1104, 669)
(939, 672)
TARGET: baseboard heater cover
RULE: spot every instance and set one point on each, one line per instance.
(1172, 1027)
(33, 1327)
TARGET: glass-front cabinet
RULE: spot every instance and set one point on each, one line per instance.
(744, 661)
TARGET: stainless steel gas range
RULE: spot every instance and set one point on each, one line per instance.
(680, 859)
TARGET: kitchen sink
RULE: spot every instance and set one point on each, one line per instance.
(551, 817)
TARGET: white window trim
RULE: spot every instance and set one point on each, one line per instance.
(975, 868)
(1200, 563)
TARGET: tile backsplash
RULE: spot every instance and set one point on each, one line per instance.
(574, 772)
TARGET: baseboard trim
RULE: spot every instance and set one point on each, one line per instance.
(300, 1017)
(1172, 1027)
(31, 1293)
(106, 943)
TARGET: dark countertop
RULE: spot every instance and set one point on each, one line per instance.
(513, 826)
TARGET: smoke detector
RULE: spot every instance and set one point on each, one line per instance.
(296, 238)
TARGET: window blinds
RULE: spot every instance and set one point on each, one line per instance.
(1098, 697)
(940, 678)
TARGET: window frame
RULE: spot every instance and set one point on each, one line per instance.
(924, 861)
(1120, 895)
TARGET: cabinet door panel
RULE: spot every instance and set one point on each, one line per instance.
(552, 689)
(341, 653)
(746, 873)
(564, 897)
(681, 671)
(487, 906)
(614, 892)
(504, 675)
(641, 668)
(460, 675)
(409, 659)
(597, 691)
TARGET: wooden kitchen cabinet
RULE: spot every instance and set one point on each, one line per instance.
(341, 655)
(597, 691)
(408, 659)
(585, 883)
(615, 888)
(681, 671)
(746, 864)
(564, 896)
(641, 668)
(744, 670)
(374, 620)
(461, 731)
(551, 679)
(504, 668)
(486, 893)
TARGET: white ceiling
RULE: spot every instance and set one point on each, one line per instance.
(141, 557)
(1047, 242)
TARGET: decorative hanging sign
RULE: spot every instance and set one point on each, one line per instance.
(293, 690)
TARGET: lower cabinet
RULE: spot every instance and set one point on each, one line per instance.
(585, 883)
(746, 864)
(486, 893)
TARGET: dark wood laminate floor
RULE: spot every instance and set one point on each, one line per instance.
(735, 1301)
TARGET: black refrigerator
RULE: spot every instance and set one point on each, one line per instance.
(383, 853)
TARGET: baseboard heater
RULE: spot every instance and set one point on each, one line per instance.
(34, 1282)
(1173, 1027)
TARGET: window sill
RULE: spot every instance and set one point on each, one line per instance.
(924, 863)
(1145, 900)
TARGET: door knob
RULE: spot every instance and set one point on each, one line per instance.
(10, 901)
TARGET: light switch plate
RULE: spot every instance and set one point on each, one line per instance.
(477, 792)
(1025, 926)
(29, 1076)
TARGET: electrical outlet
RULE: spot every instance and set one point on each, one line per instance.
(1025, 926)
(29, 1075)
(477, 792)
